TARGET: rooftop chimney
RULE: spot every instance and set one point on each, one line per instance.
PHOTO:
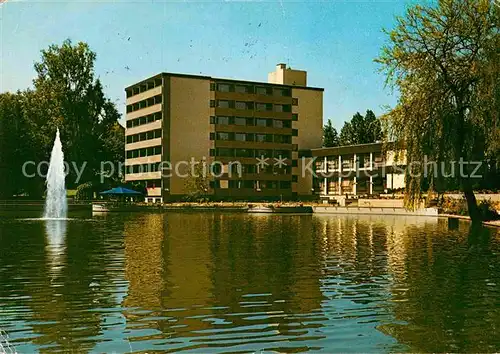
(286, 76)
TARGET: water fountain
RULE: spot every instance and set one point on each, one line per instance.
(56, 205)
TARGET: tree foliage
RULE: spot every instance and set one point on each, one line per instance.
(444, 61)
(361, 130)
(66, 95)
(330, 135)
(197, 183)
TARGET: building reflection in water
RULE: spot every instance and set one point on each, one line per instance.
(293, 283)
(234, 280)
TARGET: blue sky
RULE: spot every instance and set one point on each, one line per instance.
(335, 41)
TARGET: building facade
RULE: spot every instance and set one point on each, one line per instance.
(243, 135)
(365, 169)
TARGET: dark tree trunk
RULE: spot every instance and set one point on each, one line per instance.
(475, 215)
(460, 147)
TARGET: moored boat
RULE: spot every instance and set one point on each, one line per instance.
(280, 209)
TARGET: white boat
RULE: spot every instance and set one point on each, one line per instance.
(100, 208)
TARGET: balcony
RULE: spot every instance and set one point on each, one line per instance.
(144, 111)
(144, 128)
(143, 144)
(144, 95)
(143, 160)
(142, 176)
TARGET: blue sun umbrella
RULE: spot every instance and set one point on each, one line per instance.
(121, 191)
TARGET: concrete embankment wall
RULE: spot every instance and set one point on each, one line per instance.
(381, 203)
(374, 211)
(479, 196)
(38, 206)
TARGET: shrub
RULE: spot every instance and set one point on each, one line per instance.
(459, 207)
(84, 191)
(487, 210)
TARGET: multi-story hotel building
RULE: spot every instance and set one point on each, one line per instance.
(364, 169)
(176, 118)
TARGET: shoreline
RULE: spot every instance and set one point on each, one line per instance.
(244, 207)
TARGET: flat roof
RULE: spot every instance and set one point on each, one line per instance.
(203, 77)
(351, 149)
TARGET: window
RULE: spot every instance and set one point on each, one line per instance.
(223, 120)
(295, 132)
(265, 153)
(212, 136)
(244, 153)
(241, 88)
(212, 86)
(212, 103)
(295, 178)
(285, 185)
(261, 90)
(295, 101)
(282, 108)
(222, 136)
(249, 121)
(240, 137)
(295, 163)
(223, 104)
(240, 121)
(225, 152)
(212, 119)
(284, 154)
(249, 168)
(287, 124)
(283, 139)
(261, 107)
(235, 168)
(277, 123)
(241, 105)
(260, 138)
(281, 92)
(235, 184)
(223, 87)
(261, 122)
(216, 168)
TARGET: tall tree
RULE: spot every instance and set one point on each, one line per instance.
(19, 143)
(75, 102)
(361, 130)
(372, 128)
(68, 96)
(330, 135)
(444, 61)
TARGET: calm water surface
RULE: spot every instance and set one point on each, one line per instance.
(248, 283)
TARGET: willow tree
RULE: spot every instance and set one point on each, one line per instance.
(444, 61)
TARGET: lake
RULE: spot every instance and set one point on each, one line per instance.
(239, 283)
